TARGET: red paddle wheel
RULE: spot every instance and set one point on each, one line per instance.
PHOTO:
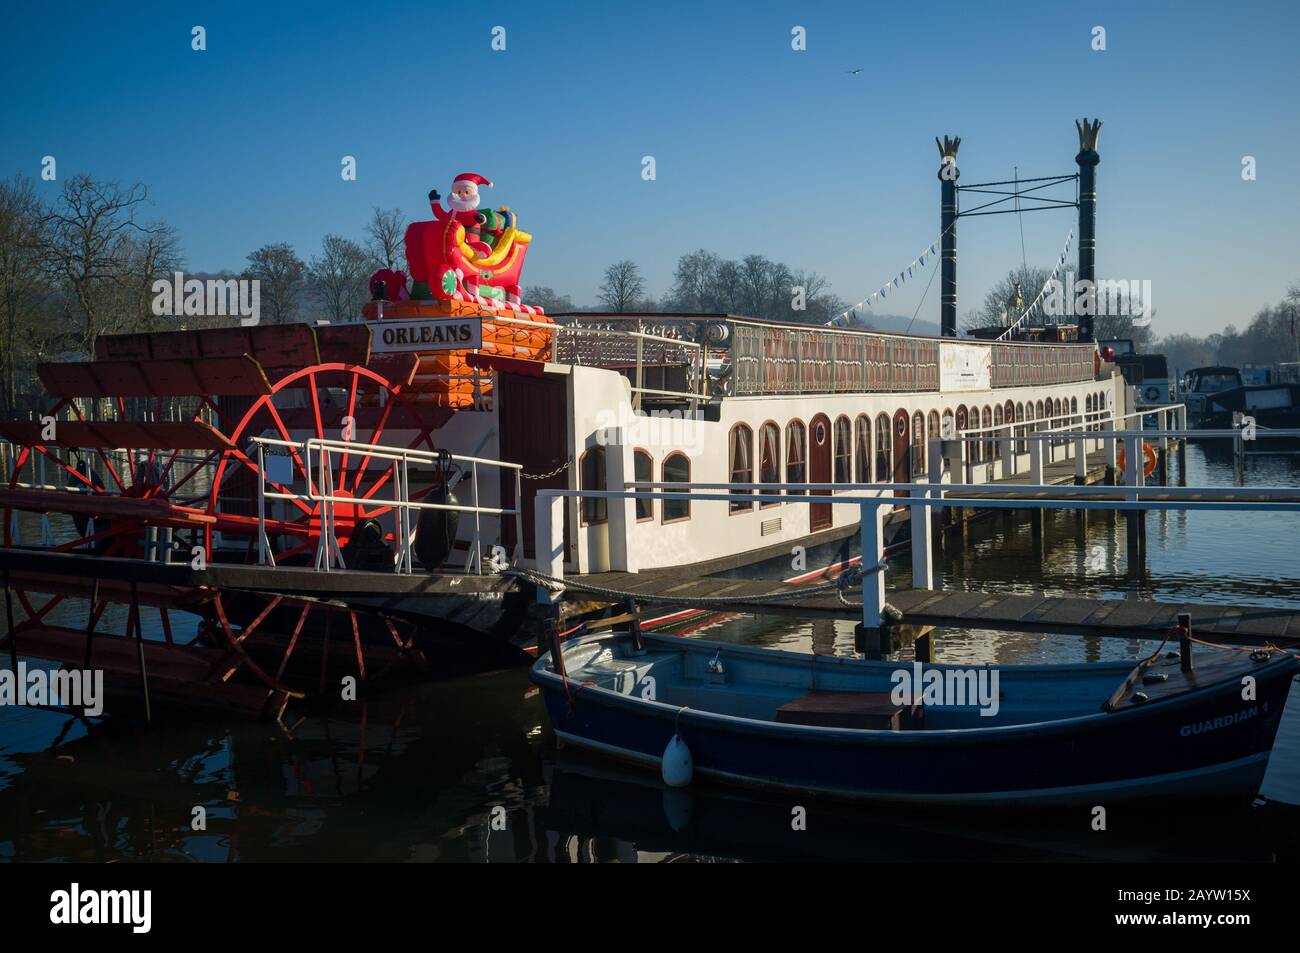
(123, 490)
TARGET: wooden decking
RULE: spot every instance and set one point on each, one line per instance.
(1017, 611)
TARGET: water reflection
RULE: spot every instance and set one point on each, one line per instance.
(465, 769)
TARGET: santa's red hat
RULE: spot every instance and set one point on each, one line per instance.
(471, 177)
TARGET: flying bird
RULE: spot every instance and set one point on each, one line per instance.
(854, 72)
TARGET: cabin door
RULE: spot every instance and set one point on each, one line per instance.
(819, 470)
(534, 433)
(902, 450)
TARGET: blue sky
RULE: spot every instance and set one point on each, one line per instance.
(758, 148)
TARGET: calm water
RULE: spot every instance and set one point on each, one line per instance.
(464, 770)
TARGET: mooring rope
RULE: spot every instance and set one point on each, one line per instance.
(851, 576)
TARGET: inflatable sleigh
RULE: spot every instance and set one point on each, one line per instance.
(450, 280)
(444, 266)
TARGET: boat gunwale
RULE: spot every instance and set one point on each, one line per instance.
(992, 734)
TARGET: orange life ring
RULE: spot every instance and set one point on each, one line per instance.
(1148, 463)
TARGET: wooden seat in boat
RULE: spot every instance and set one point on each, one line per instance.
(876, 710)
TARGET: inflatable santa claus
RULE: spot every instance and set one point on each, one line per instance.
(464, 199)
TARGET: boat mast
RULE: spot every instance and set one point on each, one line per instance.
(1087, 160)
(948, 222)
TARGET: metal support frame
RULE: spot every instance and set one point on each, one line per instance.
(321, 491)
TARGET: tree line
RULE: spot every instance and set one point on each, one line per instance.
(84, 264)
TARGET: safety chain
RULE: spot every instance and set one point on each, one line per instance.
(546, 476)
(849, 577)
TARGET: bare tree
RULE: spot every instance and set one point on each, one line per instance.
(548, 299)
(695, 282)
(281, 273)
(385, 236)
(21, 244)
(338, 277)
(623, 286)
(150, 256)
(89, 243)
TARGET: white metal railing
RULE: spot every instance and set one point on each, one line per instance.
(1082, 432)
(322, 491)
(923, 498)
(640, 338)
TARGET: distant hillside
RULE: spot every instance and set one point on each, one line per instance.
(899, 322)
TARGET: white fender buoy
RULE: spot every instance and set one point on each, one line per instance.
(677, 767)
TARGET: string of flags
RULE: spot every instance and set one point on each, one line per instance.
(1042, 293)
(893, 284)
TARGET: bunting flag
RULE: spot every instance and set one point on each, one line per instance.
(917, 263)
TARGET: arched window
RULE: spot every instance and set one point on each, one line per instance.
(918, 445)
(742, 462)
(592, 466)
(974, 449)
(949, 423)
(933, 429)
(988, 433)
(884, 450)
(769, 458)
(796, 454)
(676, 469)
(997, 422)
(843, 450)
(643, 468)
(862, 460)
(1020, 418)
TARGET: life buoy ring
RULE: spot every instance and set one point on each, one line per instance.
(1148, 463)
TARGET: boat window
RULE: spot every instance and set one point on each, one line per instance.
(796, 454)
(843, 451)
(997, 437)
(594, 509)
(1213, 383)
(769, 456)
(918, 444)
(676, 469)
(884, 448)
(1154, 367)
(643, 466)
(988, 433)
(1020, 418)
(742, 466)
(862, 468)
(974, 447)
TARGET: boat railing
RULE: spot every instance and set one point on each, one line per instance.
(599, 344)
(803, 359)
(317, 455)
(921, 500)
(1044, 439)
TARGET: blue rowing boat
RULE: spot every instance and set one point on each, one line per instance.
(1087, 733)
